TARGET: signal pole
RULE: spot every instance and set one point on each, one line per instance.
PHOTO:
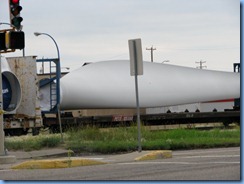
(12, 39)
(152, 49)
(4, 157)
(201, 66)
(2, 151)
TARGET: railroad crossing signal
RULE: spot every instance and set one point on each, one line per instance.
(14, 11)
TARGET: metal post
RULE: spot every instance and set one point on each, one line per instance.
(138, 115)
(137, 103)
(4, 158)
(58, 68)
(2, 151)
(60, 124)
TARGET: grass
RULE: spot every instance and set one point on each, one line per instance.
(124, 139)
(192, 139)
(29, 143)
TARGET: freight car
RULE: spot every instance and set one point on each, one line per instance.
(187, 118)
(27, 113)
(225, 111)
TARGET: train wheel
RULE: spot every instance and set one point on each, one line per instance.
(54, 129)
(226, 123)
(35, 131)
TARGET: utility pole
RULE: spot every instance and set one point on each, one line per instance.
(152, 49)
(201, 66)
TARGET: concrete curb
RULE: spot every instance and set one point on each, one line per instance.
(57, 163)
(7, 159)
(161, 154)
(67, 162)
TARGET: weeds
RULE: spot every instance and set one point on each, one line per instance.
(28, 143)
(124, 139)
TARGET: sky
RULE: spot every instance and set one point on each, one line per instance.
(182, 31)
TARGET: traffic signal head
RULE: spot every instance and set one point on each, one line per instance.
(14, 10)
(15, 40)
(2, 41)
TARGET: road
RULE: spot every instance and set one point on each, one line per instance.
(204, 164)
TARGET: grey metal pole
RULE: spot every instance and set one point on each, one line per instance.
(58, 82)
(138, 115)
(4, 157)
(2, 151)
(137, 104)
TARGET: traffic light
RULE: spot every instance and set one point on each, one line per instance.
(15, 18)
(2, 41)
(15, 40)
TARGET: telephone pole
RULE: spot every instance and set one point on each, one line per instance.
(201, 66)
(152, 49)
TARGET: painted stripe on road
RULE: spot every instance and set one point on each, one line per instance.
(211, 156)
(176, 153)
(181, 163)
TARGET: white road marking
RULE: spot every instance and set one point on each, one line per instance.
(211, 156)
(90, 158)
(181, 163)
(177, 153)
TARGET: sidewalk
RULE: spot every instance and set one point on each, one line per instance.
(22, 156)
(58, 156)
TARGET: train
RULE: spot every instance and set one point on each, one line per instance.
(149, 117)
(107, 88)
(37, 97)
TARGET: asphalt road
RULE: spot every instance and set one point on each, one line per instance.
(204, 164)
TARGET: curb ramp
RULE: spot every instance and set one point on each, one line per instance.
(57, 163)
(159, 154)
(68, 162)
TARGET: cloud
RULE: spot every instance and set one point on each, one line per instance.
(183, 31)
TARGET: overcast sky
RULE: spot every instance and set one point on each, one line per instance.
(182, 31)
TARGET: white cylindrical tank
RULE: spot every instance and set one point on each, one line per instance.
(108, 84)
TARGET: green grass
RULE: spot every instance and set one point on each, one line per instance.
(124, 139)
(29, 143)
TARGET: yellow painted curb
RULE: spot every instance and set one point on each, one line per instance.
(155, 155)
(57, 163)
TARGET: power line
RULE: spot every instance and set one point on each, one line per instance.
(152, 49)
